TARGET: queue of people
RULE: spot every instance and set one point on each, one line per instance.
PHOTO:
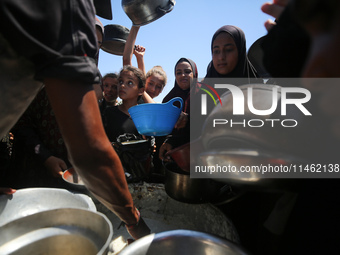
(67, 123)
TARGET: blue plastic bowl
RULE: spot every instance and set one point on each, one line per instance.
(156, 119)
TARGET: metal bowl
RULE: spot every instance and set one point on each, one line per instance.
(142, 12)
(25, 202)
(73, 180)
(59, 231)
(241, 161)
(114, 39)
(182, 242)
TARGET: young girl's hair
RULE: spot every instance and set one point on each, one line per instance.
(136, 71)
(157, 70)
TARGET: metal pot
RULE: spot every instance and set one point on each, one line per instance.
(179, 186)
(33, 200)
(58, 231)
(142, 12)
(310, 141)
(115, 37)
(300, 141)
(183, 242)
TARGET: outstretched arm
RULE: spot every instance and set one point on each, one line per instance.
(139, 53)
(90, 152)
(130, 45)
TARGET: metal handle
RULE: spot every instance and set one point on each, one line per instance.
(171, 6)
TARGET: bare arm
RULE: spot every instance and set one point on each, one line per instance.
(90, 152)
(130, 45)
(139, 53)
(147, 98)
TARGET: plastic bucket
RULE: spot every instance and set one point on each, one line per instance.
(156, 119)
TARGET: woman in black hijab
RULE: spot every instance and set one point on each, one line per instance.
(185, 73)
(181, 89)
(229, 55)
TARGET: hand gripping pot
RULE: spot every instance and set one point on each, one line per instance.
(156, 119)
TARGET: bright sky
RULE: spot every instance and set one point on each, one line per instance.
(186, 32)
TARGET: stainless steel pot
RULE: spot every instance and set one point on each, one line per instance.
(242, 145)
(142, 12)
(56, 232)
(114, 39)
(33, 200)
(179, 186)
(183, 242)
(310, 139)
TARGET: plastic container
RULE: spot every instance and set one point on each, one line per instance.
(156, 119)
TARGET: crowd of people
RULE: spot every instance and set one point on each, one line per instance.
(67, 113)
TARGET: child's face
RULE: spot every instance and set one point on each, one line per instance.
(184, 75)
(110, 86)
(154, 85)
(128, 86)
(224, 53)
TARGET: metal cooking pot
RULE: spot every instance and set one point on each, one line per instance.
(56, 232)
(33, 200)
(252, 180)
(309, 141)
(179, 186)
(182, 242)
(142, 12)
(115, 37)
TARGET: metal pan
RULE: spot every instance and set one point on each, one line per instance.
(33, 200)
(114, 39)
(59, 231)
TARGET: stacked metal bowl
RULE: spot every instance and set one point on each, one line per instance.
(52, 221)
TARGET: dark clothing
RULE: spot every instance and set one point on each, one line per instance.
(117, 123)
(243, 67)
(176, 91)
(285, 47)
(37, 130)
(57, 36)
(36, 138)
(43, 39)
(135, 157)
(182, 136)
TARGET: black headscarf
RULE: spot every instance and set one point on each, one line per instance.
(177, 91)
(243, 67)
